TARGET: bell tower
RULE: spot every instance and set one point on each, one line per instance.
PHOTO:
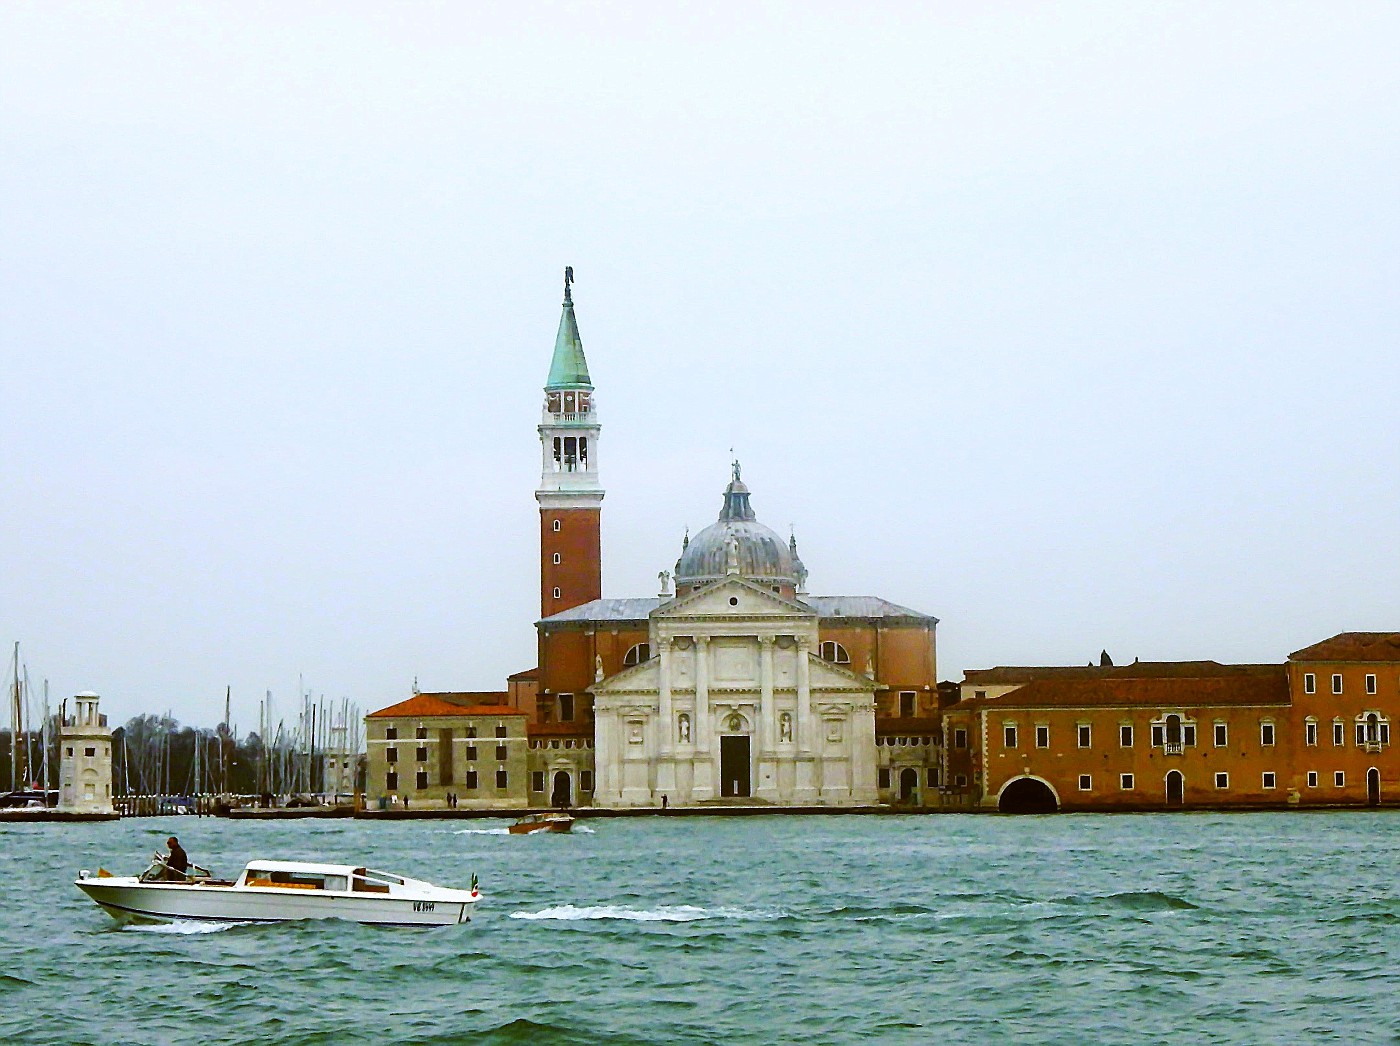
(570, 497)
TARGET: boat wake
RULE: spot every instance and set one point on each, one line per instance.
(182, 927)
(678, 913)
(481, 831)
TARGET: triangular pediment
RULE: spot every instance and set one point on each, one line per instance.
(732, 597)
(643, 677)
(826, 676)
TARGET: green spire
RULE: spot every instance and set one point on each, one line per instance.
(568, 369)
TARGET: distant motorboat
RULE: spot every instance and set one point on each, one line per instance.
(279, 891)
(552, 821)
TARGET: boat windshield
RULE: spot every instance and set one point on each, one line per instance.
(379, 877)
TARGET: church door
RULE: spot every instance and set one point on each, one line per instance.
(560, 797)
(734, 765)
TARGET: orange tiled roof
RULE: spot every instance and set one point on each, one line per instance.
(1246, 688)
(1353, 646)
(453, 704)
(1011, 674)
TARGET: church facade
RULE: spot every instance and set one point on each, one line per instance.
(732, 686)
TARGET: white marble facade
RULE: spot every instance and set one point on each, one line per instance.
(734, 704)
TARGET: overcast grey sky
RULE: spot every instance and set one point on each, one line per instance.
(1073, 325)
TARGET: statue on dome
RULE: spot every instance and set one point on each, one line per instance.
(665, 578)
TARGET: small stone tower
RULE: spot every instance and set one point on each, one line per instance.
(85, 759)
(570, 495)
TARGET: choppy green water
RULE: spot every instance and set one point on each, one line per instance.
(1258, 928)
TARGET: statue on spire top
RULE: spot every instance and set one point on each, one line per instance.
(568, 281)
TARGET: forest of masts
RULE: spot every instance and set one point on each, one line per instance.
(315, 749)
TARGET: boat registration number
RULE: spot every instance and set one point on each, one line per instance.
(424, 906)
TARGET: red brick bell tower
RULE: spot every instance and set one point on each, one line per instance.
(570, 497)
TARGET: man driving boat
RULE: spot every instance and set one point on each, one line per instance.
(177, 861)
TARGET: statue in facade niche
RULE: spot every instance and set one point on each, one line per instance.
(684, 729)
(597, 668)
(785, 727)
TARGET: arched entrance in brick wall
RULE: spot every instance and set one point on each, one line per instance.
(1373, 787)
(1176, 788)
(1027, 795)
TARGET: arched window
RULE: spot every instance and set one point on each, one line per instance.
(834, 652)
(639, 653)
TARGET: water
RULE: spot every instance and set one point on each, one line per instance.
(1253, 928)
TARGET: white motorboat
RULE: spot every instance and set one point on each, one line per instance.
(279, 891)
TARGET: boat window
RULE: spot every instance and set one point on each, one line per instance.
(290, 880)
(380, 877)
(335, 882)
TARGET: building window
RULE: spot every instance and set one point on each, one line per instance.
(1222, 735)
(1309, 683)
(960, 781)
(906, 703)
(557, 559)
(89, 752)
(1310, 732)
(502, 780)
(70, 749)
(1125, 782)
(471, 780)
(1173, 735)
(1270, 781)
(1085, 782)
(835, 653)
(391, 733)
(932, 777)
(471, 753)
(636, 655)
(1372, 731)
(1266, 733)
(391, 781)
(585, 781)
(959, 738)
(421, 733)
(1222, 780)
(500, 753)
(1085, 734)
(1008, 739)
(884, 777)
(421, 754)
(556, 591)
(1042, 737)
(537, 781)
(1339, 779)
(1312, 778)
(1339, 736)
(1370, 683)
(1125, 736)
(1336, 683)
(979, 694)
(557, 526)
(422, 780)
(501, 729)
(391, 755)
(566, 709)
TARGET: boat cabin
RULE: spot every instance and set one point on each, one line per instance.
(332, 878)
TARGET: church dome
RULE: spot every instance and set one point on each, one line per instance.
(757, 552)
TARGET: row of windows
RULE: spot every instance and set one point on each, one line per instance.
(1268, 780)
(391, 780)
(391, 755)
(391, 733)
(1310, 683)
(1371, 730)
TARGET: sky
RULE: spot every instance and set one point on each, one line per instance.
(1074, 325)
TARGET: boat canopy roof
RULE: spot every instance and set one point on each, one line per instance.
(304, 868)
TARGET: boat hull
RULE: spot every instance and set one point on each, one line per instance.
(125, 898)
